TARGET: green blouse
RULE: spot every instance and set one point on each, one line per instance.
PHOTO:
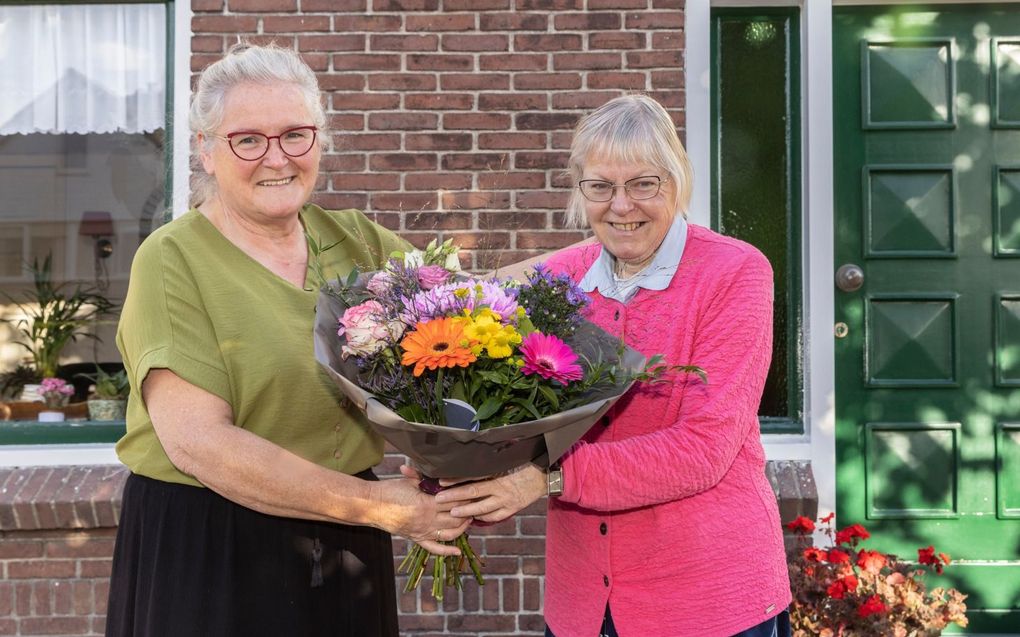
(202, 308)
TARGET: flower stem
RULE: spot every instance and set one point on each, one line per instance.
(439, 397)
(446, 570)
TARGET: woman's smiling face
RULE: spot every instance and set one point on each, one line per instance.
(276, 185)
(630, 229)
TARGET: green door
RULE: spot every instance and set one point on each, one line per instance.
(927, 205)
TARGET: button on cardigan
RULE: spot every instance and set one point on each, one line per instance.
(696, 546)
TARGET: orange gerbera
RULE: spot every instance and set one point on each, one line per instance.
(437, 343)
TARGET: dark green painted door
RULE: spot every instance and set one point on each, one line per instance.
(927, 204)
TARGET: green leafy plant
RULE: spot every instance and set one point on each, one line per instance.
(55, 316)
(847, 591)
(109, 386)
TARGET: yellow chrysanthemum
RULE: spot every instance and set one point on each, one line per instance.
(435, 344)
(490, 335)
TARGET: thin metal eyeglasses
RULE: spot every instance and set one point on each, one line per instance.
(601, 191)
(252, 145)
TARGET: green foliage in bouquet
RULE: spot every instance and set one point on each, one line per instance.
(848, 591)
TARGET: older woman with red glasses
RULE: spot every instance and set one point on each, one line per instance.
(251, 508)
(661, 520)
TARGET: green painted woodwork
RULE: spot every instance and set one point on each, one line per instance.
(1007, 341)
(1007, 211)
(911, 341)
(911, 470)
(921, 71)
(1007, 454)
(927, 202)
(31, 432)
(1006, 82)
(755, 176)
(909, 210)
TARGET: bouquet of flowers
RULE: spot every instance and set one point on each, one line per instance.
(846, 591)
(470, 377)
(55, 392)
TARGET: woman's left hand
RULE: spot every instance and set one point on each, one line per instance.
(497, 498)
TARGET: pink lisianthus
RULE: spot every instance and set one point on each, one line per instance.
(549, 357)
(367, 330)
(429, 276)
(380, 284)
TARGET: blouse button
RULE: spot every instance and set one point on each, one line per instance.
(603, 529)
(616, 315)
(605, 580)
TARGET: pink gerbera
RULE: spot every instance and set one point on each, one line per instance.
(549, 357)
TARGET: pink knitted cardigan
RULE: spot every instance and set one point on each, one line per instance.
(666, 512)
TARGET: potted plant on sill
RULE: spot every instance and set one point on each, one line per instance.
(14, 381)
(54, 317)
(56, 393)
(108, 400)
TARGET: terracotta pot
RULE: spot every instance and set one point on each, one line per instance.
(105, 409)
(22, 410)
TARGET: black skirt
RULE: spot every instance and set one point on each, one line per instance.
(190, 562)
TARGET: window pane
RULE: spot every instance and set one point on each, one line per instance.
(755, 193)
(66, 195)
(82, 163)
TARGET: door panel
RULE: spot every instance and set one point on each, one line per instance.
(927, 169)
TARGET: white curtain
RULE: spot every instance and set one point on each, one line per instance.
(82, 68)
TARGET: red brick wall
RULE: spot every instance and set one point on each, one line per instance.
(57, 527)
(453, 117)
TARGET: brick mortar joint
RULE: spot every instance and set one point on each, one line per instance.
(67, 498)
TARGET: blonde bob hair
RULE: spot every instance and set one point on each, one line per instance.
(246, 63)
(631, 129)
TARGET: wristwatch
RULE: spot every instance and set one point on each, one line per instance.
(554, 481)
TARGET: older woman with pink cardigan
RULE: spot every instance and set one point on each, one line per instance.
(661, 520)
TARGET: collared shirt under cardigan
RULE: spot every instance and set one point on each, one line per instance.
(669, 518)
(656, 276)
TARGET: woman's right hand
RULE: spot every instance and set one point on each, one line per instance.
(408, 512)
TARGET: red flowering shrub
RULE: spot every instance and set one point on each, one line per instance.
(846, 591)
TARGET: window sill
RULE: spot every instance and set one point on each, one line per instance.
(33, 432)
